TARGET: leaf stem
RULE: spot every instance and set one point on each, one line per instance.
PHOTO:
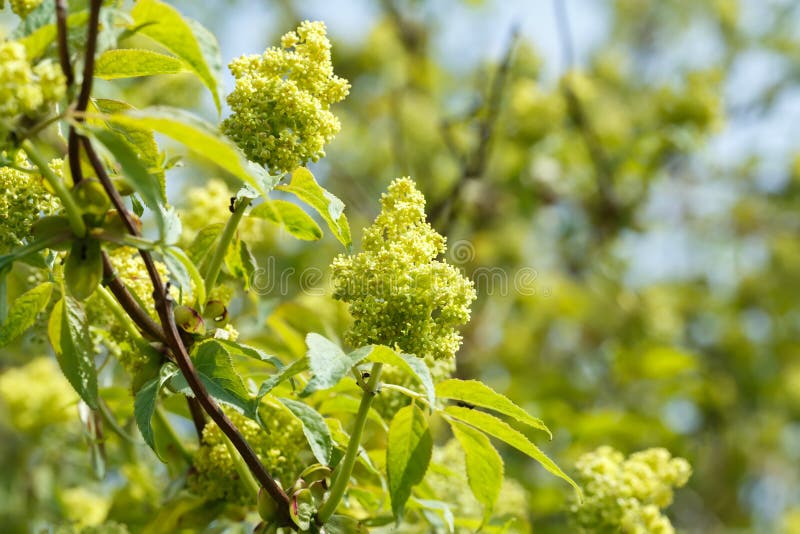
(345, 469)
(241, 468)
(119, 313)
(73, 211)
(224, 241)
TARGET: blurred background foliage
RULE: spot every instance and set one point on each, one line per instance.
(621, 179)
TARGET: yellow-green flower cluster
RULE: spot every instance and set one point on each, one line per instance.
(26, 89)
(23, 199)
(399, 294)
(36, 395)
(627, 494)
(214, 475)
(23, 7)
(388, 403)
(130, 268)
(281, 103)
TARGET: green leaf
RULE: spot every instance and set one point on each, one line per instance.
(68, 330)
(203, 241)
(37, 42)
(135, 174)
(316, 431)
(215, 368)
(408, 362)
(484, 465)
(342, 524)
(144, 405)
(479, 394)
(165, 25)
(131, 63)
(239, 349)
(141, 140)
(328, 363)
(291, 216)
(305, 187)
(23, 312)
(202, 138)
(407, 455)
(296, 367)
(501, 430)
(438, 506)
(186, 272)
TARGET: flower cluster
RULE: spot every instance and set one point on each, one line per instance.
(280, 105)
(23, 7)
(23, 199)
(214, 475)
(36, 395)
(399, 294)
(627, 495)
(25, 89)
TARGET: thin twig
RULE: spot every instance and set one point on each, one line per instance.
(604, 169)
(63, 47)
(86, 89)
(142, 319)
(474, 166)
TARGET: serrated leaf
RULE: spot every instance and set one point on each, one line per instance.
(296, 367)
(239, 349)
(141, 140)
(341, 524)
(331, 209)
(291, 216)
(484, 465)
(38, 41)
(479, 394)
(185, 271)
(314, 428)
(68, 330)
(407, 455)
(215, 368)
(144, 404)
(202, 243)
(328, 363)
(166, 26)
(132, 63)
(23, 312)
(438, 506)
(135, 174)
(414, 366)
(501, 430)
(202, 138)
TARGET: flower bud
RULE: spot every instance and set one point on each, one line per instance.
(83, 269)
(189, 320)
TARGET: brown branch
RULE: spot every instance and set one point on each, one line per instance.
(173, 340)
(142, 319)
(475, 165)
(198, 416)
(63, 47)
(86, 90)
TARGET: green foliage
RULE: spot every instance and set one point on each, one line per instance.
(407, 454)
(23, 312)
(555, 184)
